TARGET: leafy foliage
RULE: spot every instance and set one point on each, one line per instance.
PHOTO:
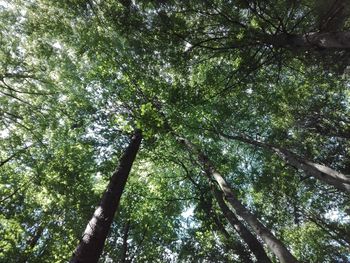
(77, 77)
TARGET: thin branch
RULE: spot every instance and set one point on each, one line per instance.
(3, 162)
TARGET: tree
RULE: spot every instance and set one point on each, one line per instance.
(319, 171)
(78, 77)
(272, 242)
(252, 242)
(95, 234)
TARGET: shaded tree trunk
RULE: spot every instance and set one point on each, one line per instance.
(253, 244)
(275, 245)
(229, 242)
(319, 40)
(340, 235)
(331, 14)
(331, 132)
(95, 234)
(125, 242)
(31, 243)
(237, 247)
(319, 171)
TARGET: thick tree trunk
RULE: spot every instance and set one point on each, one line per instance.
(253, 244)
(319, 171)
(276, 246)
(95, 234)
(318, 40)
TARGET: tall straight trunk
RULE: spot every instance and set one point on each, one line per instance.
(253, 244)
(275, 245)
(229, 242)
(337, 233)
(95, 234)
(319, 171)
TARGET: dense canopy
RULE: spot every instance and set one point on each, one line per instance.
(174, 131)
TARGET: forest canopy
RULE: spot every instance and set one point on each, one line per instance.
(174, 131)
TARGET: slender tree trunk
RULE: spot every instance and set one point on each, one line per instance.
(236, 246)
(31, 243)
(337, 233)
(95, 234)
(230, 243)
(326, 131)
(253, 244)
(275, 245)
(125, 242)
(319, 171)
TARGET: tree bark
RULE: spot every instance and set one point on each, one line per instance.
(275, 245)
(253, 244)
(229, 242)
(95, 234)
(319, 171)
(318, 40)
(237, 247)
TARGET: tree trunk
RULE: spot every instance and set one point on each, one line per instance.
(319, 171)
(276, 246)
(125, 242)
(318, 40)
(236, 246)
(31, 243)
(253, 244)
(340, 235)
(95, 234)
(229, 242)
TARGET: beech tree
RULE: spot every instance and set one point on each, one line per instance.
(243, 112)
(91, 245)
